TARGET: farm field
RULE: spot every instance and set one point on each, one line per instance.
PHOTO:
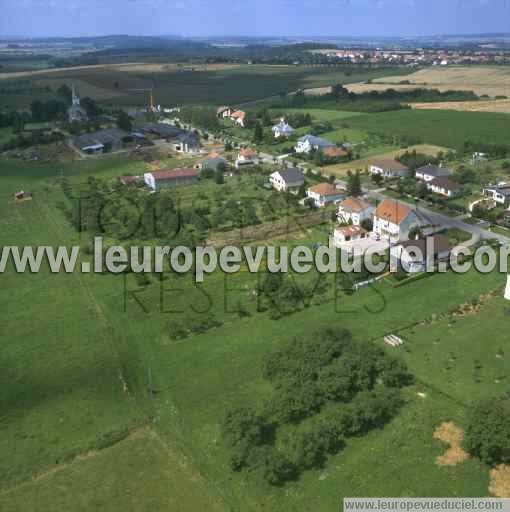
(440, 127)
(501, 106)
(490, 80)
(173, 85)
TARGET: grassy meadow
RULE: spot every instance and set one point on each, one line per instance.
(149, 404)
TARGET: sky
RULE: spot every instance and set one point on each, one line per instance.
(39, 18)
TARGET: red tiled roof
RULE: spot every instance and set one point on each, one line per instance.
(170, 174)
(247, 152)
(238, 114)
(354, 204)
(392, 211)
(351, 230)
(334, 152)
(325, 189)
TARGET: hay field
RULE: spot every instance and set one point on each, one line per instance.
(490, 80)
(500, 106)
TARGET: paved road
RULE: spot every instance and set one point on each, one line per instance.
(449, 222)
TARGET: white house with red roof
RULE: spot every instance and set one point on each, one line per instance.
(354, 210)
(394, 220)
(323, 194)
(246, 156)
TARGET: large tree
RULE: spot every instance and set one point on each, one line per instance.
(488, 431)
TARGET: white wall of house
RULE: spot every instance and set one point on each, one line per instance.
(355, 217)
(149, 180)
(303, 147)
(395, 232)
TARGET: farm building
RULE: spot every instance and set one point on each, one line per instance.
(429, 172)
(157, 180)
(323, 194)
(354, 210)
(389, 168)
(102, 141)
(287, 180)
(183, 141)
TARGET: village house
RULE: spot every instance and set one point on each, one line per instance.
(287, 180)
(224, 112)
(310, 143)
(323, 194)
(239, 117)
(282, 129)
(213, 162)
(430, 172)
(393, 221)
(389, 168)
(354, 210)
(499, 193)
(246, 156)
(344, 235)
(157, 180)
(445, 187)
(412, 255)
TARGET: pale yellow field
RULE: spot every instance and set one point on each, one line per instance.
(363, 163)
(501, 106)
(128, 66)
(490, 80)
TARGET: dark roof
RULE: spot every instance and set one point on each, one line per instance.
(446, 183)
(434, 170)
(501, 189)
(162, 129)
(317, 141)
(100, 137)
(292, 175)
(389, 164)
(441, 244)
(172, 174)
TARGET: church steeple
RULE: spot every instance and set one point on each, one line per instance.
(76, 98)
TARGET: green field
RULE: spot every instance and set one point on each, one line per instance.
(232, 85)
(442, 127)
(95, 374)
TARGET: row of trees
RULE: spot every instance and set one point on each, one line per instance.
(345, 388)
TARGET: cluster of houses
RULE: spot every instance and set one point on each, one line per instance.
(436, 177)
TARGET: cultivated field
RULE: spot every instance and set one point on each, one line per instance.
(501, 106)
(439, 127)
(492, 81)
